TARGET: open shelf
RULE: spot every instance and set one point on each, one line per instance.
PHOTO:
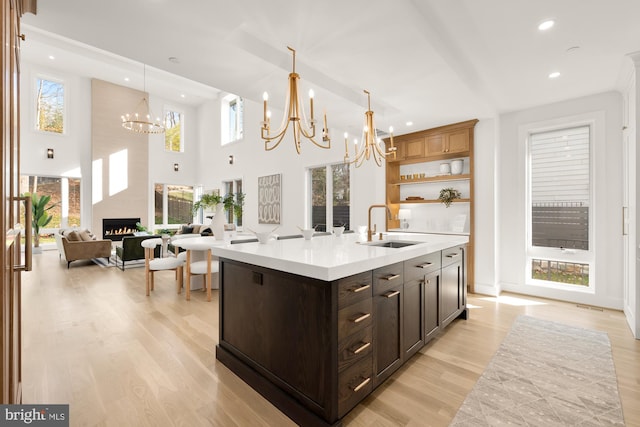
(439, 178)
(429, 201)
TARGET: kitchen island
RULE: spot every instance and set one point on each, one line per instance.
(315, 325)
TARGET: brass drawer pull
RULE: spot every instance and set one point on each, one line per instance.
(361, 318)
(360, 288)
(360, 349)
(390, 277)
(362, 384)
(391, 294)
(425, 265)
(453, 255)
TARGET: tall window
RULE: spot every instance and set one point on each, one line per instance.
(330, 196)
(65, 199)
(232, 118)
(49, 106)
(173, 133)
(173, 204)
(234, 216)
(560, 195)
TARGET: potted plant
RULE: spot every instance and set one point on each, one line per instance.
(207, 201)
(40, 218)
(448, 195)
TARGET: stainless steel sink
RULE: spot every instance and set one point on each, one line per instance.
(392, 244)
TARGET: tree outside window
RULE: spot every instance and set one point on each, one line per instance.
(173, 131)
(330, 197)
(49, 106)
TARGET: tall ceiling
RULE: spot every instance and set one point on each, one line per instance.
(431, 62)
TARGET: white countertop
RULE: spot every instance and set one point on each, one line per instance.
(329, 257)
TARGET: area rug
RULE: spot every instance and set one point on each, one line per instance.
(546, 374)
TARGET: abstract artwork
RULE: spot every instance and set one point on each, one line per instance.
(269, 199)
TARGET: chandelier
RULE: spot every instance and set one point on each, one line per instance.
(294, 116)
(370, 142)
(140, 120)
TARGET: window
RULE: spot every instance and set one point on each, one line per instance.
(330, 196)
(173, 133)
(232, 119)
(173, 204)
(234, 216)
(49, 106)
(560, 195)
(65, 198)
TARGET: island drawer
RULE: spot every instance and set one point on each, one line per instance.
(418, 267)
(354, 318)
(354, 348)
(354, 384)
(387, 277)
(451, 255)
(354, 288)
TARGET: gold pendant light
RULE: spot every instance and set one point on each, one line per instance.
(294, 116)
(370, 142)
(141, 119)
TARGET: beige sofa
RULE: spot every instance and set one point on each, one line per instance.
(75, 244)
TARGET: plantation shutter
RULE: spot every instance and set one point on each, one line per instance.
(560, 188)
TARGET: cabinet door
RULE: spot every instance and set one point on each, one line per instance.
(413, 317)
(458, 141)
(414, 148)
(387, 332)
(450, 295)
(435, 144)
(431, 304)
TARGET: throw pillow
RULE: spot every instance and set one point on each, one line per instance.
(73, 236)
(186, 229)
(85, 236)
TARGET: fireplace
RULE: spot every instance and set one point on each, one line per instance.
(116, 228)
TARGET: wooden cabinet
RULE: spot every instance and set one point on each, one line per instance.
(387, 327)
(453, 289)
(413, 317)
(355, 338)
(431, 305)
(414, 178)
(454, 142)
(414, 148)
(316, 349)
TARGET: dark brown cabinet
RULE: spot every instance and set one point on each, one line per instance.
(387, 324)
(431, 305)
(314, 348)
(452, 288)
(413, 317)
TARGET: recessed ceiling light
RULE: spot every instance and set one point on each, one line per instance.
(554, 75)
(545, 25)
(51, 57)
(126, 79)
(182, 95)
(409, 123)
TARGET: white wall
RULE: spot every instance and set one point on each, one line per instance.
(608, 190)
(486, 213)
(72, 150)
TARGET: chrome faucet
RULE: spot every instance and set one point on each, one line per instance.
(369, 231)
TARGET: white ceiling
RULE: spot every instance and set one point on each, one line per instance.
(432, 62)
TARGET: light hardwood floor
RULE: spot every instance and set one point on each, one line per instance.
(92, 339)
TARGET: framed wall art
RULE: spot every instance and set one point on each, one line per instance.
(269, 199)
